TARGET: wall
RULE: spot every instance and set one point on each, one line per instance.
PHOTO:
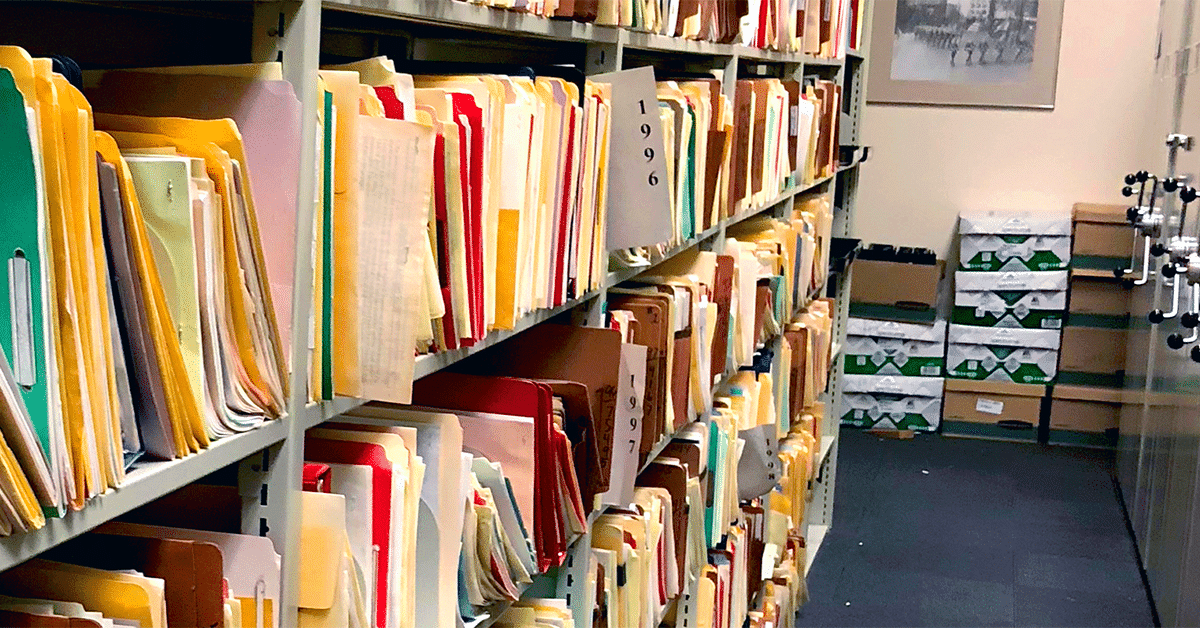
(929, 163)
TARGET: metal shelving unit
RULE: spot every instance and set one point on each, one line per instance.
(270, 457)
(852, 75)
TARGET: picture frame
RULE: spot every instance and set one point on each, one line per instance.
(929, 52)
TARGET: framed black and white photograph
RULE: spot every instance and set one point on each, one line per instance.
(999, 53)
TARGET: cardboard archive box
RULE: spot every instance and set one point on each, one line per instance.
(1097, 301)
(1094, 338)
(1092, 356)
(895, 290)
(1001, 354)
(1103, 239)
(892, 402)
(1084, 415)
(1031, 300)
(1014, 241)
(992, 410)
(875, 347)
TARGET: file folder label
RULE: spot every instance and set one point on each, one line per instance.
(20, 295)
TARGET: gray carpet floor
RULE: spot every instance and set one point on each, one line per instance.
(952, 532)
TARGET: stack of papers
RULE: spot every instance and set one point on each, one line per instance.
(141, 318)
(376, 475)
(823, 149)
(494, 206)
(810, 337)
(498, 561)
(57, 330)
(813, 141)
(761, 163)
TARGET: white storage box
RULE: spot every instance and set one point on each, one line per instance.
(1022, 356)
(892, 402)
(876, 347)
(998, 241)
(1031, 300)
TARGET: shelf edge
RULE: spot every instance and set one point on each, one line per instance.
(144, 484)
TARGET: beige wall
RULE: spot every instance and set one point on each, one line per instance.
(929, 163)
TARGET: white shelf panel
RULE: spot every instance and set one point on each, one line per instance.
(814, 538)
(826, 445)
(317, 413)
(145, 483)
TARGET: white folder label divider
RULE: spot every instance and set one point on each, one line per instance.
(639, 205)
(627, 433)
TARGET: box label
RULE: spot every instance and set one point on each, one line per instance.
(989, 406)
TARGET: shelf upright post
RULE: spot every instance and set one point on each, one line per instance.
(729, 77)
(290, 32)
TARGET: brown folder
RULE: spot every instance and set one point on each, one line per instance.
(17, 619)
(743, 116)
(755, 522)
(825, 94)
(681, 369)
(712, 175)
(681, 363)
(796, 337)
(686, 451)
(764, 305)
(723, 11)
(586, 10)
(591, 469)
(826, 25)
(716, 153)
(795, 92)
(672, 475)
(758, 160)
(192, 571)
(687, 9)
(723, 297)
(741, 8)
(654, 333)
(566, 9)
